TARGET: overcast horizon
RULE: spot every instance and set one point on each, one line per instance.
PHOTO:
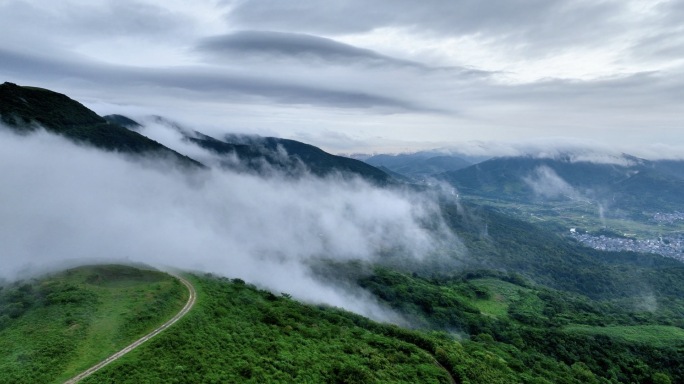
(359, 77)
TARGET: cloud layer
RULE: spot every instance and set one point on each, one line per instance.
(400, 75)
(69, 204)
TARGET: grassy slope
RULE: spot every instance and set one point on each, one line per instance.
(508, 331)
(654, 335)
(536, 326)
(237, 333)
(74, 319)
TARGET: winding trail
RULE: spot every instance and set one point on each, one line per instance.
(188, 306)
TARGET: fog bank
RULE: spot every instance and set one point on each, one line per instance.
(63, 204)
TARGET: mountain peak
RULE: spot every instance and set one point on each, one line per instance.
(25, 109)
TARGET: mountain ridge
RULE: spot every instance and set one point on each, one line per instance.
(635, 184)
(25, 109)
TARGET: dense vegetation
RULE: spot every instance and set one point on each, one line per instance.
(497, 241)
(500, 332)
(54, 327)
(539, 325)
(237, 333)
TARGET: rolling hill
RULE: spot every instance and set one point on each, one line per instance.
(501, 329)
(56, 326)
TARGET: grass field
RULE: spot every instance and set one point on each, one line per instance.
(502, 295)
(653, 335)
(55, 327)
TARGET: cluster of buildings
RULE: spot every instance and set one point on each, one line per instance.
(668, 218)
(672, 246)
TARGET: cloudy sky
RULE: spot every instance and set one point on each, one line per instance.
(360, 76)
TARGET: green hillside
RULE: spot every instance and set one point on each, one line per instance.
(499, 242)
(55, 327)
(486, 327)
(498, 332)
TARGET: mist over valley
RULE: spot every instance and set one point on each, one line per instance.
(341, 192)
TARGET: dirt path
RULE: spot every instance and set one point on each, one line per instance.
(137, 343)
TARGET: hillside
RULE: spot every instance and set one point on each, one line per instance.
(501, 330)
(288, 156)
(53, 327)
(266, 155)
(419, 165)
(631, 184)
(500, 242)
(27, 108)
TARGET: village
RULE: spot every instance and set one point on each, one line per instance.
(668, 218)
(668, 246)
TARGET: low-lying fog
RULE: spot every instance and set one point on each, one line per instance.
(63, 204)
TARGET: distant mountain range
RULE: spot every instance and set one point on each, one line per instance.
(623, 181)
(419, 165)
(27, 108)
(626, 182)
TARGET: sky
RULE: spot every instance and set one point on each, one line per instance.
(355, 76)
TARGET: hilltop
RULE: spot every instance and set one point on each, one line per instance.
(25, 109)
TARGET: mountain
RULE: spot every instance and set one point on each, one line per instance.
(627, 183)
(251, 153)
(418, 165)
(25, 109)
(674, 168)
(499, 300)
(123, 121)
(501, 329)
(284, 152)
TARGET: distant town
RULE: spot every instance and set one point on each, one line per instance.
(668, 246)
(668, 218)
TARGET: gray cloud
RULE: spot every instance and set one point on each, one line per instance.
(568, 149)
(309, 51)
(71, 204)
(294, 45)
(558, 21)
(546, 183)
(406, 92)
(664, 36)
(208, 83)
(91, 21)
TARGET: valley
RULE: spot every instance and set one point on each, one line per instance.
(312, 267)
